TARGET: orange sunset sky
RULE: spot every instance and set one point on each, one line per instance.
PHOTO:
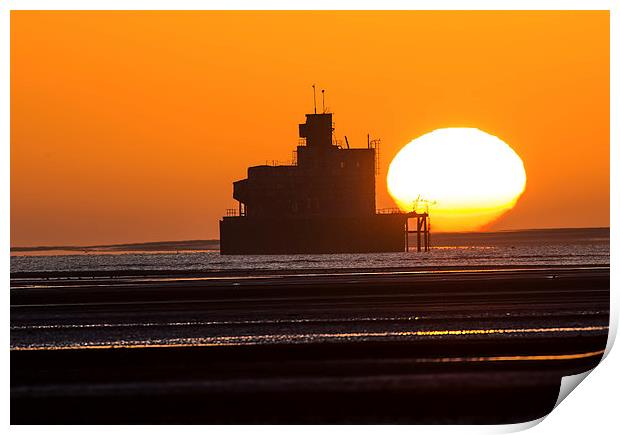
(132, 126)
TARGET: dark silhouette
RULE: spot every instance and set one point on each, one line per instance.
(325, 203)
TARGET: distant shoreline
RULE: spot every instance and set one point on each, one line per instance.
(178, 245)
(439, 239)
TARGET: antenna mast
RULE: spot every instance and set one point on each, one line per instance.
(314, 96)
(323, 94)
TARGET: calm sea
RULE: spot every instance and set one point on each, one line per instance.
(531, 247)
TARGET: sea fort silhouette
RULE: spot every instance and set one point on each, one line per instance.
(321, 204)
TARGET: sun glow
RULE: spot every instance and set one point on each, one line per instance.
(470, 177)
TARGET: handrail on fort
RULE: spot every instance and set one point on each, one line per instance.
(292, 162)
(232, 212)
(396, 210)
(392, 210)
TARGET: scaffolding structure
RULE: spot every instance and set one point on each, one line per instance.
(422, 231)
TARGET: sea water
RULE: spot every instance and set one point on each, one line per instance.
(514, 248)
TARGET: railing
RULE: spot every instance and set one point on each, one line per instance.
(232, 212)
(392, 210)
(292, 162)
(396, 210)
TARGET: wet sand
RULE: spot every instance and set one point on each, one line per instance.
(447, 346)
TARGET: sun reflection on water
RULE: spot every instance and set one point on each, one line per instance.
(305, 338)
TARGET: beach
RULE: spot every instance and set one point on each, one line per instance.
(441, 345)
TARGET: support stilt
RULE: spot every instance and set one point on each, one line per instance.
(425, 235)
(406, 235)
(418, 227)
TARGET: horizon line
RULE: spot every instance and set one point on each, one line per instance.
(213, 241)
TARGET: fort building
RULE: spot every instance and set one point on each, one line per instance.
(322, 203)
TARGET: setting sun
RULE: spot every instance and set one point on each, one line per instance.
(469, 177)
